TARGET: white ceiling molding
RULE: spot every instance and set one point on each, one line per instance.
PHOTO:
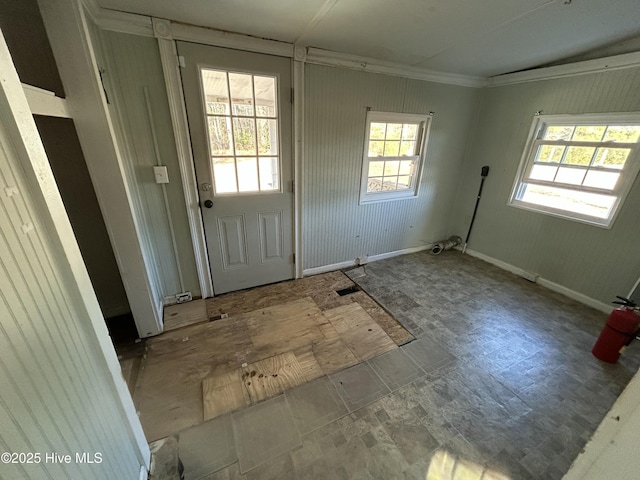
(44, 102)
(143, 25)
(618, 62)
(326, 57)
(118, 21)
(218, 38)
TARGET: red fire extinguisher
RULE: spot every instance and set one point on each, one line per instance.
(621, 329)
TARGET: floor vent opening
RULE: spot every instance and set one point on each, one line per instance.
(348, 290)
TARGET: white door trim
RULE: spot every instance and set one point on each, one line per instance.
(300, 54)
(175, 96)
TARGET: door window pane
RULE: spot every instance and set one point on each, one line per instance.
(220, 135)
(265, 95)
(268, 173)
(267, 131)
(241, 88)
(224, 175)
(216, 92)
(244, 135)
(247, 175)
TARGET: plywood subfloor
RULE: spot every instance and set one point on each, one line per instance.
(199, 371)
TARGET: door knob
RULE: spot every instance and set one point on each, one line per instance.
(208, 203)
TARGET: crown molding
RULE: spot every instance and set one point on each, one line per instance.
(219, 38)
(143, 25)
(606, 64)
(326, 57)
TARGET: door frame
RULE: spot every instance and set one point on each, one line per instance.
(163, 32)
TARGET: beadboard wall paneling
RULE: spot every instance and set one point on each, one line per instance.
(57, 395)
(135, 64)
(594, 261)
(335, 227)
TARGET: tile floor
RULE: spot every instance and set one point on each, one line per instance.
(500, 384)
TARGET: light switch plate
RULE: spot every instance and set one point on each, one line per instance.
(161, 174)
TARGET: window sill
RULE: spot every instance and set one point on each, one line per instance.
(594, 222)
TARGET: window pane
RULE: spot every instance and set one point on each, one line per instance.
(579, 155)
(224, 175)
(220, 135)
(391, 167)
(589, 133)
(216, 95)
(543, 172)
(611, 157)
(374, 185)
(573, 176)
(407, 148)
(409, 131)
(241, 88)
(247, 175)
(269, 173)
(376, 169)
(265, 91)
(245, 136)
(377, 131)
(562, 132)
(391, 149)
(592, 204)
(389, 183)
(404, 182)
(376, 148)
(394, 131)
(406, 167)
(623, 133)
(550, 153)
(599, 179)
(267, 136)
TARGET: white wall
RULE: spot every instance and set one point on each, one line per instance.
(62, 388)
(596, 262)
(335, 227)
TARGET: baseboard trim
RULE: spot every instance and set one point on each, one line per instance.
(543, 282)
(372, 258)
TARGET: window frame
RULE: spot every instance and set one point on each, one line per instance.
(424, 124)
(628, 173)
(203, 104)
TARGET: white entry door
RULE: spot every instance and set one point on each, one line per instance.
(239, 112)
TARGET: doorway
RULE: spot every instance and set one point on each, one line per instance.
(239, 112)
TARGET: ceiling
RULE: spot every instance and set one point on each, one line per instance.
(468, 37)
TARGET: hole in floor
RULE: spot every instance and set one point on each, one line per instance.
(348, 290)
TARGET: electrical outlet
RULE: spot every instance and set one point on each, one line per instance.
(183, 297)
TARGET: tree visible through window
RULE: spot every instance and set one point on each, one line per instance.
(393, 153)
(579, 167)
(242, 119)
